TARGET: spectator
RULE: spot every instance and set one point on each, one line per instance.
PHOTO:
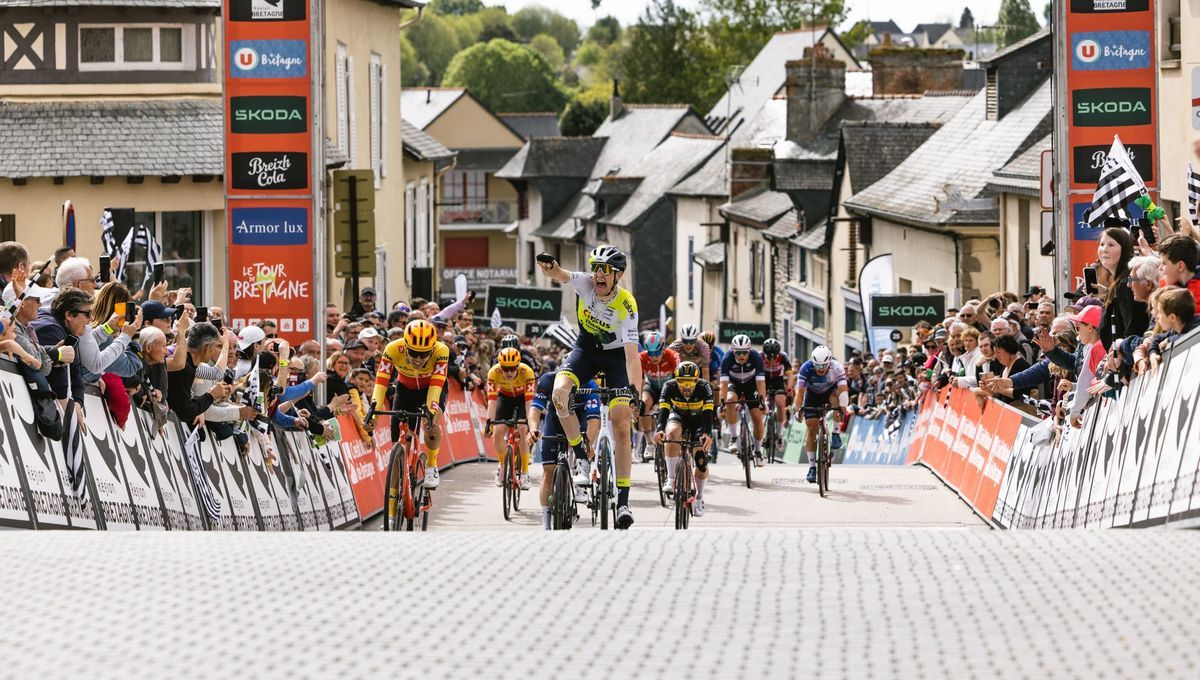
(216, 316)
(310, 348)
(338, 369)
(1045, 313)
(1180, 257)
(968, 316)
(1010, 362)
(987, 365)
(158, 315)
(356, 352)
(148, 388)
(1035, 294)
(59, 327)
(270, 330)
(1087, 324)
(203, 347)
(365, 303)
(964, 364)
(250, 341)
(1123, 315)
(104, 350)
(24, 311)
(224, 412)
(13, 257)
(76, 272)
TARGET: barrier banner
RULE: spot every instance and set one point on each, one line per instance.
(968, 416)
(143, 488)
(878, 441)
(38, 463)
(1185, 497)
(15, 509)
(482, 450)
(302, 485)
(362, 466)
(213, 469)
(165, 451)
(104, 467)
(921, 429)
(255, 465)
(458, 432)
(337, 475)
(999, 433)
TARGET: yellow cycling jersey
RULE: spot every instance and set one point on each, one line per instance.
(430, 375)
(610, 325)
(521, 384)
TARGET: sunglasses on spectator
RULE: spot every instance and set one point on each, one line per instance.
(603, 268)
(85, 312)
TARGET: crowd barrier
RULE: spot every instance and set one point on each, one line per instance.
(877, 441)
(138, 478)
(1133, 463)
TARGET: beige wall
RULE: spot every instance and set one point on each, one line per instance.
(743, 306)
(690, 216)
(1016, 240)
(468, 125)
(926, 259)
(500, 190)
(1176, 133)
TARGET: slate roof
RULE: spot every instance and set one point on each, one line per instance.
(888, 26)
(532, 124)
(759, 207)
(932, 31)
(711, 255)
(553, 157)
(712, 179)
(633, 134)
(564, 225)
(487, 160)
(422, 105)
(875, 149)
(942, 181)
(669, 162)
(169, 4)
(809, 174)
(420, 145)
(763, 77)
(1017, 46)
(111, 138)
(1023, 174)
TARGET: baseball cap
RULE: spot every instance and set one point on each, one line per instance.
(402, 307)
(153, 309)
(888, 358)
(460, 340)
(940, 334)
(1088, 301)
(367, 291)
(439, 321)
(355, 344)
(31, 291)
(1034, 290)
(368, 333)
(247, 336)
(1090, 315)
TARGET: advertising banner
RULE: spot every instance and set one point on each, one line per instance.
(362, 466)
(876, 278)
(727, 330)
(525, 304)
(902, 311)
(269, 157)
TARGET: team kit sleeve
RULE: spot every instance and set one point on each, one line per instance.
(705, 353)
(437, 381)
(530, 383)
(582, 283)
(760, 370)
(629, 327)
(706, 411)
(726, 364)
(664, 405)
(383, 377)
(493, 382)
(541, 393)
(802, 376)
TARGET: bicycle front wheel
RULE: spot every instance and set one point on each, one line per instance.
(604, 498)
(822, 463)
(506, 482)
(744, 450)
(562, 499)
(660, 473)
(681, 494)
(391, 489)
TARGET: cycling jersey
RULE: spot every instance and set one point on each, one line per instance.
(716, 356)
(520, 384)
(808, 379)
(604, 325)
(585, 409)
(429, 377)
(527, 358)
(777, 368)
(699, 354)
(657, 373)
(737, 373)
(695, 411)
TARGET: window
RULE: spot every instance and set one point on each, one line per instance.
(180, 235)
(344, 76)
(8, 227)
(466, 251)
(137, 47)
(378, 114)
(410, 230)
(803, 259)
(758, 273)
(854, 322)
(530, 261)
(905, 285)
(423, 230)
(464, 195)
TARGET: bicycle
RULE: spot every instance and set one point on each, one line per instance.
(404, 485)
(604, 490)
(824, 454)
(745, 450)
(511, 480)
(685, 484)
(563, 508)
(774, 444)
(660, 473)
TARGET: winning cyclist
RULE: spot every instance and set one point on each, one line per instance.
(658, 365)
(608, 342)
(587, 410)
(821, 380)
(778, 368)
(691, 348)
(419, 362)
(510, 387)
(742, 377)
(685, 411)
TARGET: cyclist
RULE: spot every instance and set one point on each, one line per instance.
(685, 411)
(586, 410)
(419, 362)
(743, 377)
(527, 357)
(658, 365)
(778, 368)
(691, 348)
(608, 341)
(510, 386)
(821, 380)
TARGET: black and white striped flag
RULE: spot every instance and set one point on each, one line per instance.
(208, 497)
(1119, 184)
(108, 232)
(1193, 191)
(562, 333)
(139, 237)
(73, 450)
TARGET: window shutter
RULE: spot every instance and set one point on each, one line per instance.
(353, 141)
(373, 78)
(383, 125)
(343, 132)
(410, 237)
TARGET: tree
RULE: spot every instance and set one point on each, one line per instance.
(565, 31)
(740, 28)
(533, 21)
(495, 23)
(857, 34)
(455, 7)
(1016, 21)
(967, 20)
(550, 51)
(436, 44)
(605, 31)
(412, 71)
(1048, 12)
(506, 76)
(585, 113)
(670, 58)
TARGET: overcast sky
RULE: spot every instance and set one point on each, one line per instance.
(906, 13)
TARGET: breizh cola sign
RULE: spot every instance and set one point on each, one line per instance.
(525, 304)
(898, 311)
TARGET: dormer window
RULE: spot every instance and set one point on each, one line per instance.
(136, 47)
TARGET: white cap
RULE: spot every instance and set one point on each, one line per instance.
(368, 332)
(250, 335)
(31, 291)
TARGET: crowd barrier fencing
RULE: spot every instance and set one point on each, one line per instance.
(866, 441)
(1135, 461)
(138, 478)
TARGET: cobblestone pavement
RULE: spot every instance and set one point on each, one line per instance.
(723, 603)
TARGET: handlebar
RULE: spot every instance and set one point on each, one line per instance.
(421, 412)
(608, 392)
(511, 422)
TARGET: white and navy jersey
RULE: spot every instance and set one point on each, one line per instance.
(743, 373)
(809, 379)
(777, 368)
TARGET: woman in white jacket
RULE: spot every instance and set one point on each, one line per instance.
(964, 364)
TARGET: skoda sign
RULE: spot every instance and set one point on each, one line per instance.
(1107, 107)
(900, 311)
(727, 330)
(268, 115)
(526, 304)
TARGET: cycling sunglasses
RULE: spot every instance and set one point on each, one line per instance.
(418, 355)
(741, 352)
(603, 268)
(685, 382)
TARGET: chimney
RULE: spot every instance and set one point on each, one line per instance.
(749, 169)
(916, 70)
(616, 107)
(816, 89)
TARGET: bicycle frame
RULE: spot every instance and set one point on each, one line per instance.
(510, 479)
(416, 500)
(605, 451)
(684, 479)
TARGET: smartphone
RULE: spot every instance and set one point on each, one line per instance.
(179, 310)
(158, 274)
(119, 310)
(546, 258)
(201, 314)
(105, 268)
(1147, 230)
(218, 324)
(1089, 280)
(131, 312)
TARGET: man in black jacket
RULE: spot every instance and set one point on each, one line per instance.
(59, 327)
(203, 346)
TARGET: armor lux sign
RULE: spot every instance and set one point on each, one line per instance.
(906, 310)
(526, 304)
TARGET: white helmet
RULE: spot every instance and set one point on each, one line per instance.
(689, 333)
(741, 342)
(821, 356)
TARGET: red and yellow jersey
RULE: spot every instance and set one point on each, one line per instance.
(661, 370)
(520, 384)
(395, 362)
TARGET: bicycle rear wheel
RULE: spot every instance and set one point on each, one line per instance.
(822, 462)
(516, 492)
(744, 450)
(660, 473)
(506, 481)
(391, 489)
(681, 494)
(562, 498)
(603, 458)
(408, 494)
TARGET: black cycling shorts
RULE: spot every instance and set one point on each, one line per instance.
(692, 425)
(776, 385)
(412, 400)
(585, 364)
(747, 391)
(510, 408)
(813, 402)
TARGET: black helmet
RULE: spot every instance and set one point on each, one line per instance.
(609, 255)
(510, 340)
(770, 347)
(688, 370)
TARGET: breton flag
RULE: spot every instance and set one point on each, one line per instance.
(208, 498)
(1193, 191)
(138, 237)
(108, 233)
(562, 333)
(73, 449)
(497, 320)
(1119, 184)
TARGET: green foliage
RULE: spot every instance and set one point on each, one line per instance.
(495, 23)
(1048, 12)
(533, 21)
(670, 59)
(583, 116)
(497, 31)
(467, 27)
(967, 20)
(857, 34)
(740, 28)
(549, 49)
(435, 42)
(605, 31)
(1017, 21)
(412, 71)
(506, 76)
(455, 7)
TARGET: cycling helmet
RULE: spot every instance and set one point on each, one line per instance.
(709, 338)
(609, 255)
(771, 347)
(821, 356)
(741, 343)
(687, 371)
(654, 343)
(689, 333)
(420, 336)
(510, 340)
(600, 379)
(510, 357)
